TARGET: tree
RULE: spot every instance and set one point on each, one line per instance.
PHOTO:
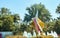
(49, 26)
(43, 13)
(7, 20)
(5, 11)
(57, 26)
(23, 27)
(58, 9)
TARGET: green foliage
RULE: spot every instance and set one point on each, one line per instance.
(57, 26)
(43, 13)
(23, 27)
(7, 20)
(58, 9)
(52, 26)
(16, 17)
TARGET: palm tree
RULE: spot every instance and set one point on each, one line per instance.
(43, 13)
(58, 9)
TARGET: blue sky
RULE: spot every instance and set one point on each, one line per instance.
(19, 6)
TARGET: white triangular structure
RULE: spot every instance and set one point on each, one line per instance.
(25, 34)
(29, 35)
(47, 33)
(55, 34)
(34, 33)
(52, 33)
